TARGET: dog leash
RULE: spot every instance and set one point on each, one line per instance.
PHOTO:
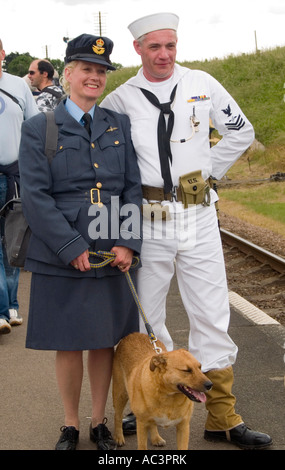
(107, 258)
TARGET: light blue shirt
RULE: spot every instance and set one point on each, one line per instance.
(12, 116)
(77, 112)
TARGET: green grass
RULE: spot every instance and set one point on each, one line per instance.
(265, 199)
(272, 210)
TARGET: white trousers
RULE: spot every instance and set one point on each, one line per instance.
(190, 243)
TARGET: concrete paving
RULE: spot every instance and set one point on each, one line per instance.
(31, 412)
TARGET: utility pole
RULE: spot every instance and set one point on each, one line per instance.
(256, 48)
(100, 24)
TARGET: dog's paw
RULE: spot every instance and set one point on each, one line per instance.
(120, 440)
(158, 441)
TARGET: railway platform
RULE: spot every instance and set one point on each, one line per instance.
(31, 412)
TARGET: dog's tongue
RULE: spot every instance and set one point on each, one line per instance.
(200, 396)
(192, 394)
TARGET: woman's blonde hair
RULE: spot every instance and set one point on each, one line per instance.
(64, 83)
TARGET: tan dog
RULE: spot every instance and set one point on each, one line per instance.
(158, 386)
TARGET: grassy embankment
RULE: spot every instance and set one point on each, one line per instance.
(257, 82)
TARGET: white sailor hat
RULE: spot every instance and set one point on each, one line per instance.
(154, 22)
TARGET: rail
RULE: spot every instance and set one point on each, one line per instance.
(276, 262)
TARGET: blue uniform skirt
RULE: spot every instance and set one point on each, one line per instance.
(71, 314)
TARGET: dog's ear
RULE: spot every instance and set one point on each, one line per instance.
(157, 361)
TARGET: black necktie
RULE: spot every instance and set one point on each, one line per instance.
(87, 120)
(163, 135)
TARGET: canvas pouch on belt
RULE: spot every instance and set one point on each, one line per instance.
(194, 189)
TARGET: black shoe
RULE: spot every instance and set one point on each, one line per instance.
(242, 436)
(68, 439)
(129, 424)
(102, 437)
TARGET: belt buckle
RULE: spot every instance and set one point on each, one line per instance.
(92, 197)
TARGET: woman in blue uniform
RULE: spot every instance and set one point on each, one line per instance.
(86, 199)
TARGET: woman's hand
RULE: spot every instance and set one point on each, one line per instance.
(82, 262)
(124, 258)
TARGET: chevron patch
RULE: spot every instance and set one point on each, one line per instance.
(236, 123)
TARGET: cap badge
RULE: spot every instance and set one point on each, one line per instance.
(98, 48)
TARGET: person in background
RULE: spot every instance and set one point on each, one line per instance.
(41, 75)
(16, 105)
(93, 175)
(170, 107)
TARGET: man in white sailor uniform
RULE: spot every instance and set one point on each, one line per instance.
(180, 223)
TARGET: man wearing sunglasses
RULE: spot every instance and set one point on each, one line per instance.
(41, 75)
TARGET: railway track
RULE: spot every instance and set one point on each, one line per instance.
(255, 274)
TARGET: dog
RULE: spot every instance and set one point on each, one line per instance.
(161, 388)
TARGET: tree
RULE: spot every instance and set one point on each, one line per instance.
(9, 58)
(18, 64)
(58, 65)
(117, 65)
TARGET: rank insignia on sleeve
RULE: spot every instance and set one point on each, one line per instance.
(236, 123)
(227, 111)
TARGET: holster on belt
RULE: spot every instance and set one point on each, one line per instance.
(194, 189)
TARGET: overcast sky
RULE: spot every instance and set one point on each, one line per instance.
(207, 28)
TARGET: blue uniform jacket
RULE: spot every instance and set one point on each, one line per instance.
(57, 198)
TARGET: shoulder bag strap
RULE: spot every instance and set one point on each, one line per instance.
(51, 136)
(12, 97)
